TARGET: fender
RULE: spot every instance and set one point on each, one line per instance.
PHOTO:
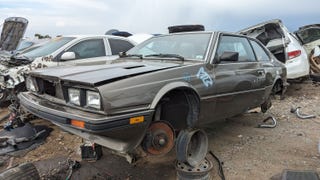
(168, 87)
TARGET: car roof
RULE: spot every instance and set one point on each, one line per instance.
(82, 36)
(204, 32)
(309, 26)
(93, 35)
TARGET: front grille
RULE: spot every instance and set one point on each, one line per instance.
(49, 88)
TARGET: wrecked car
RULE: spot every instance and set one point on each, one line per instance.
(309, 37)
(284, 45)
(164, 86)
(66, 50)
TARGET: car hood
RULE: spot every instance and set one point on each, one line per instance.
(12, 31)
(102, 74)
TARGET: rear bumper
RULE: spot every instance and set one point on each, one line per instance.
(113, 132)
(297, 67)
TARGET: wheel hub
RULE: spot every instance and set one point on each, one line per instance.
(159, 138)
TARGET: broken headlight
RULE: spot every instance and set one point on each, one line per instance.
(74, 96)
(93, 99)
(31, 84)
(3, 79)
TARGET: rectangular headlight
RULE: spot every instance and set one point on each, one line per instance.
(74, 96)
(93, 99)
(31, 84)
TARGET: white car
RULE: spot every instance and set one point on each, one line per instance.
(60, 51)
(284, 45)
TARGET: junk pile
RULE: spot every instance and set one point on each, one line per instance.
(25, 137)
(315, 60)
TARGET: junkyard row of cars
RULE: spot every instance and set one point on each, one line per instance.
(159, 93)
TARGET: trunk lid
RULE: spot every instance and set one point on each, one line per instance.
(272, 34)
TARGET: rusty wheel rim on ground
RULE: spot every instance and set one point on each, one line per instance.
(159, 139)
(192, 146)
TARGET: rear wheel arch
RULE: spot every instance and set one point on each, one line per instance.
(277, 86)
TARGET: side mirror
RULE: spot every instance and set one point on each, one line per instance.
(122, 54)
(68, 56)
(229, 56)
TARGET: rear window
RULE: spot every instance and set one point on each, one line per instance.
(261, 54)
(309, 35)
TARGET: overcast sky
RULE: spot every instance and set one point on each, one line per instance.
(56, 17)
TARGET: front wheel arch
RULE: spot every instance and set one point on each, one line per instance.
(180, 107)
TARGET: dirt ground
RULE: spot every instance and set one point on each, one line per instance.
(247, 152)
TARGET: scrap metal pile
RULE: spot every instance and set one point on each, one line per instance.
(315, 60)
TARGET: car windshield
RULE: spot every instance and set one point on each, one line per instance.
(23, 45)
(309, 35)
(48, 48)
(179, 46)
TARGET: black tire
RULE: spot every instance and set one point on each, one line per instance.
(24, 171)
(192, 146)
(3, 96)
(185, 28)
(315, 77)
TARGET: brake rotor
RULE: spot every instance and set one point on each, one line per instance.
(159, 138)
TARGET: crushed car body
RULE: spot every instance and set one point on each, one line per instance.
(309, 37)
(179, 80)
(60, 51)
(284, 45)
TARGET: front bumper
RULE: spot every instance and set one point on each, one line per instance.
(113, 132)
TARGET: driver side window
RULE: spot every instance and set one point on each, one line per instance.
(235, 44)
(88, 49)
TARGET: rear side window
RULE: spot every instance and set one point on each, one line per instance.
(260, 52)
(236, 44)
(89, 49)
(118, 45)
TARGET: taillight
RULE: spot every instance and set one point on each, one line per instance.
(294, 54)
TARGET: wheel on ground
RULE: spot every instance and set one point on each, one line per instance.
(191, 146)
(159, 139)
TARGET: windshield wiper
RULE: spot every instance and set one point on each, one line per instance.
(21, 57)
(166, 55)
(130, 55)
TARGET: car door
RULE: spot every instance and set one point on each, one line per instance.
(266, 62)
(238, 84)
(87, 52)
